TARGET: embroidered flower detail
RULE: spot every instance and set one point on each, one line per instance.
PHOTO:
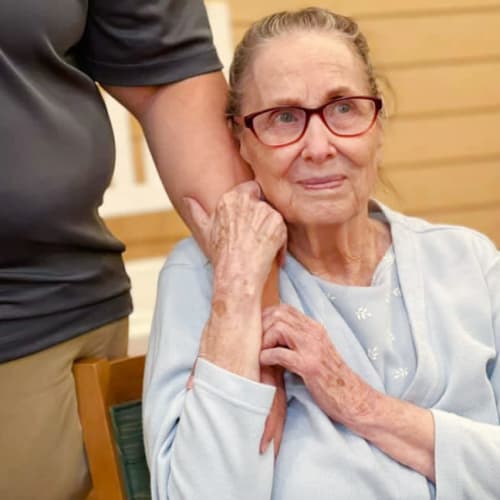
(362, 313)
(388, 297)
(331, 296)
(373, 353)
(390, 336)
(400, 373)
(396, 292)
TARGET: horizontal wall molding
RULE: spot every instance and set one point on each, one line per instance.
(245, 12)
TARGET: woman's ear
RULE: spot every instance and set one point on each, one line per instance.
(242, 146)
(243, 150)
(245, 164)
(236, 131)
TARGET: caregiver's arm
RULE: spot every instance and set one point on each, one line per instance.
(187, 133)
(196, 156)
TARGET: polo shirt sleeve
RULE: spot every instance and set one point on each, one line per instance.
(146, 42)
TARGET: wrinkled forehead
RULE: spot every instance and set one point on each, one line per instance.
(302, 68)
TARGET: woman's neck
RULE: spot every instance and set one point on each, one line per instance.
(346, 253)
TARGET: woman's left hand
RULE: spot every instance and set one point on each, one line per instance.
(302, 346)
(400, 429)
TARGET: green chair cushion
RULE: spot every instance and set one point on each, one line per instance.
(126, 419)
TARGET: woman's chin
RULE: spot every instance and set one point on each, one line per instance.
(321, 216)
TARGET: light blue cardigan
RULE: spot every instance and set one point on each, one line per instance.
(203, 444)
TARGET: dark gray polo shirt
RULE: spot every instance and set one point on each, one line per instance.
(61, 271)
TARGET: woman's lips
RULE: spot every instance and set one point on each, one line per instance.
(318, 183)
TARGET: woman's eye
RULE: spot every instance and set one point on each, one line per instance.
(285, 117)
(343, 107)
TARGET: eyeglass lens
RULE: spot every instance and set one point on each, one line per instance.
(343, 117)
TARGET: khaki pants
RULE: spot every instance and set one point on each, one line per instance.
(41, 450)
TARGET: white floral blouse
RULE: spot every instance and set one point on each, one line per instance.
(378, 319)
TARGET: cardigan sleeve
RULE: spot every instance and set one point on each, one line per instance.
(468, 452)
(204, 442)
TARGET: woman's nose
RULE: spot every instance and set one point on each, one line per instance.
(318, 141)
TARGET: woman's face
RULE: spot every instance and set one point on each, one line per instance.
(322, 178)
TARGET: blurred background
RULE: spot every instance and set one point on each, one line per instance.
(440, 61)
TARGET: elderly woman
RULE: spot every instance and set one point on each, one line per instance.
(388, 329)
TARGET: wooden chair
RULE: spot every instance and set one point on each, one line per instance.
(102, 389)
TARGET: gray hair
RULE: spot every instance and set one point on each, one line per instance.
(281, 23)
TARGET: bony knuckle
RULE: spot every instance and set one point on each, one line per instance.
(277, 314)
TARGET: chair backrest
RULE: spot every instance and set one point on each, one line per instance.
(112, 430)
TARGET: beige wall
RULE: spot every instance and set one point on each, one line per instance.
(442, 156)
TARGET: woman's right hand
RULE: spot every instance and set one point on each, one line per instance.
(242, 237)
